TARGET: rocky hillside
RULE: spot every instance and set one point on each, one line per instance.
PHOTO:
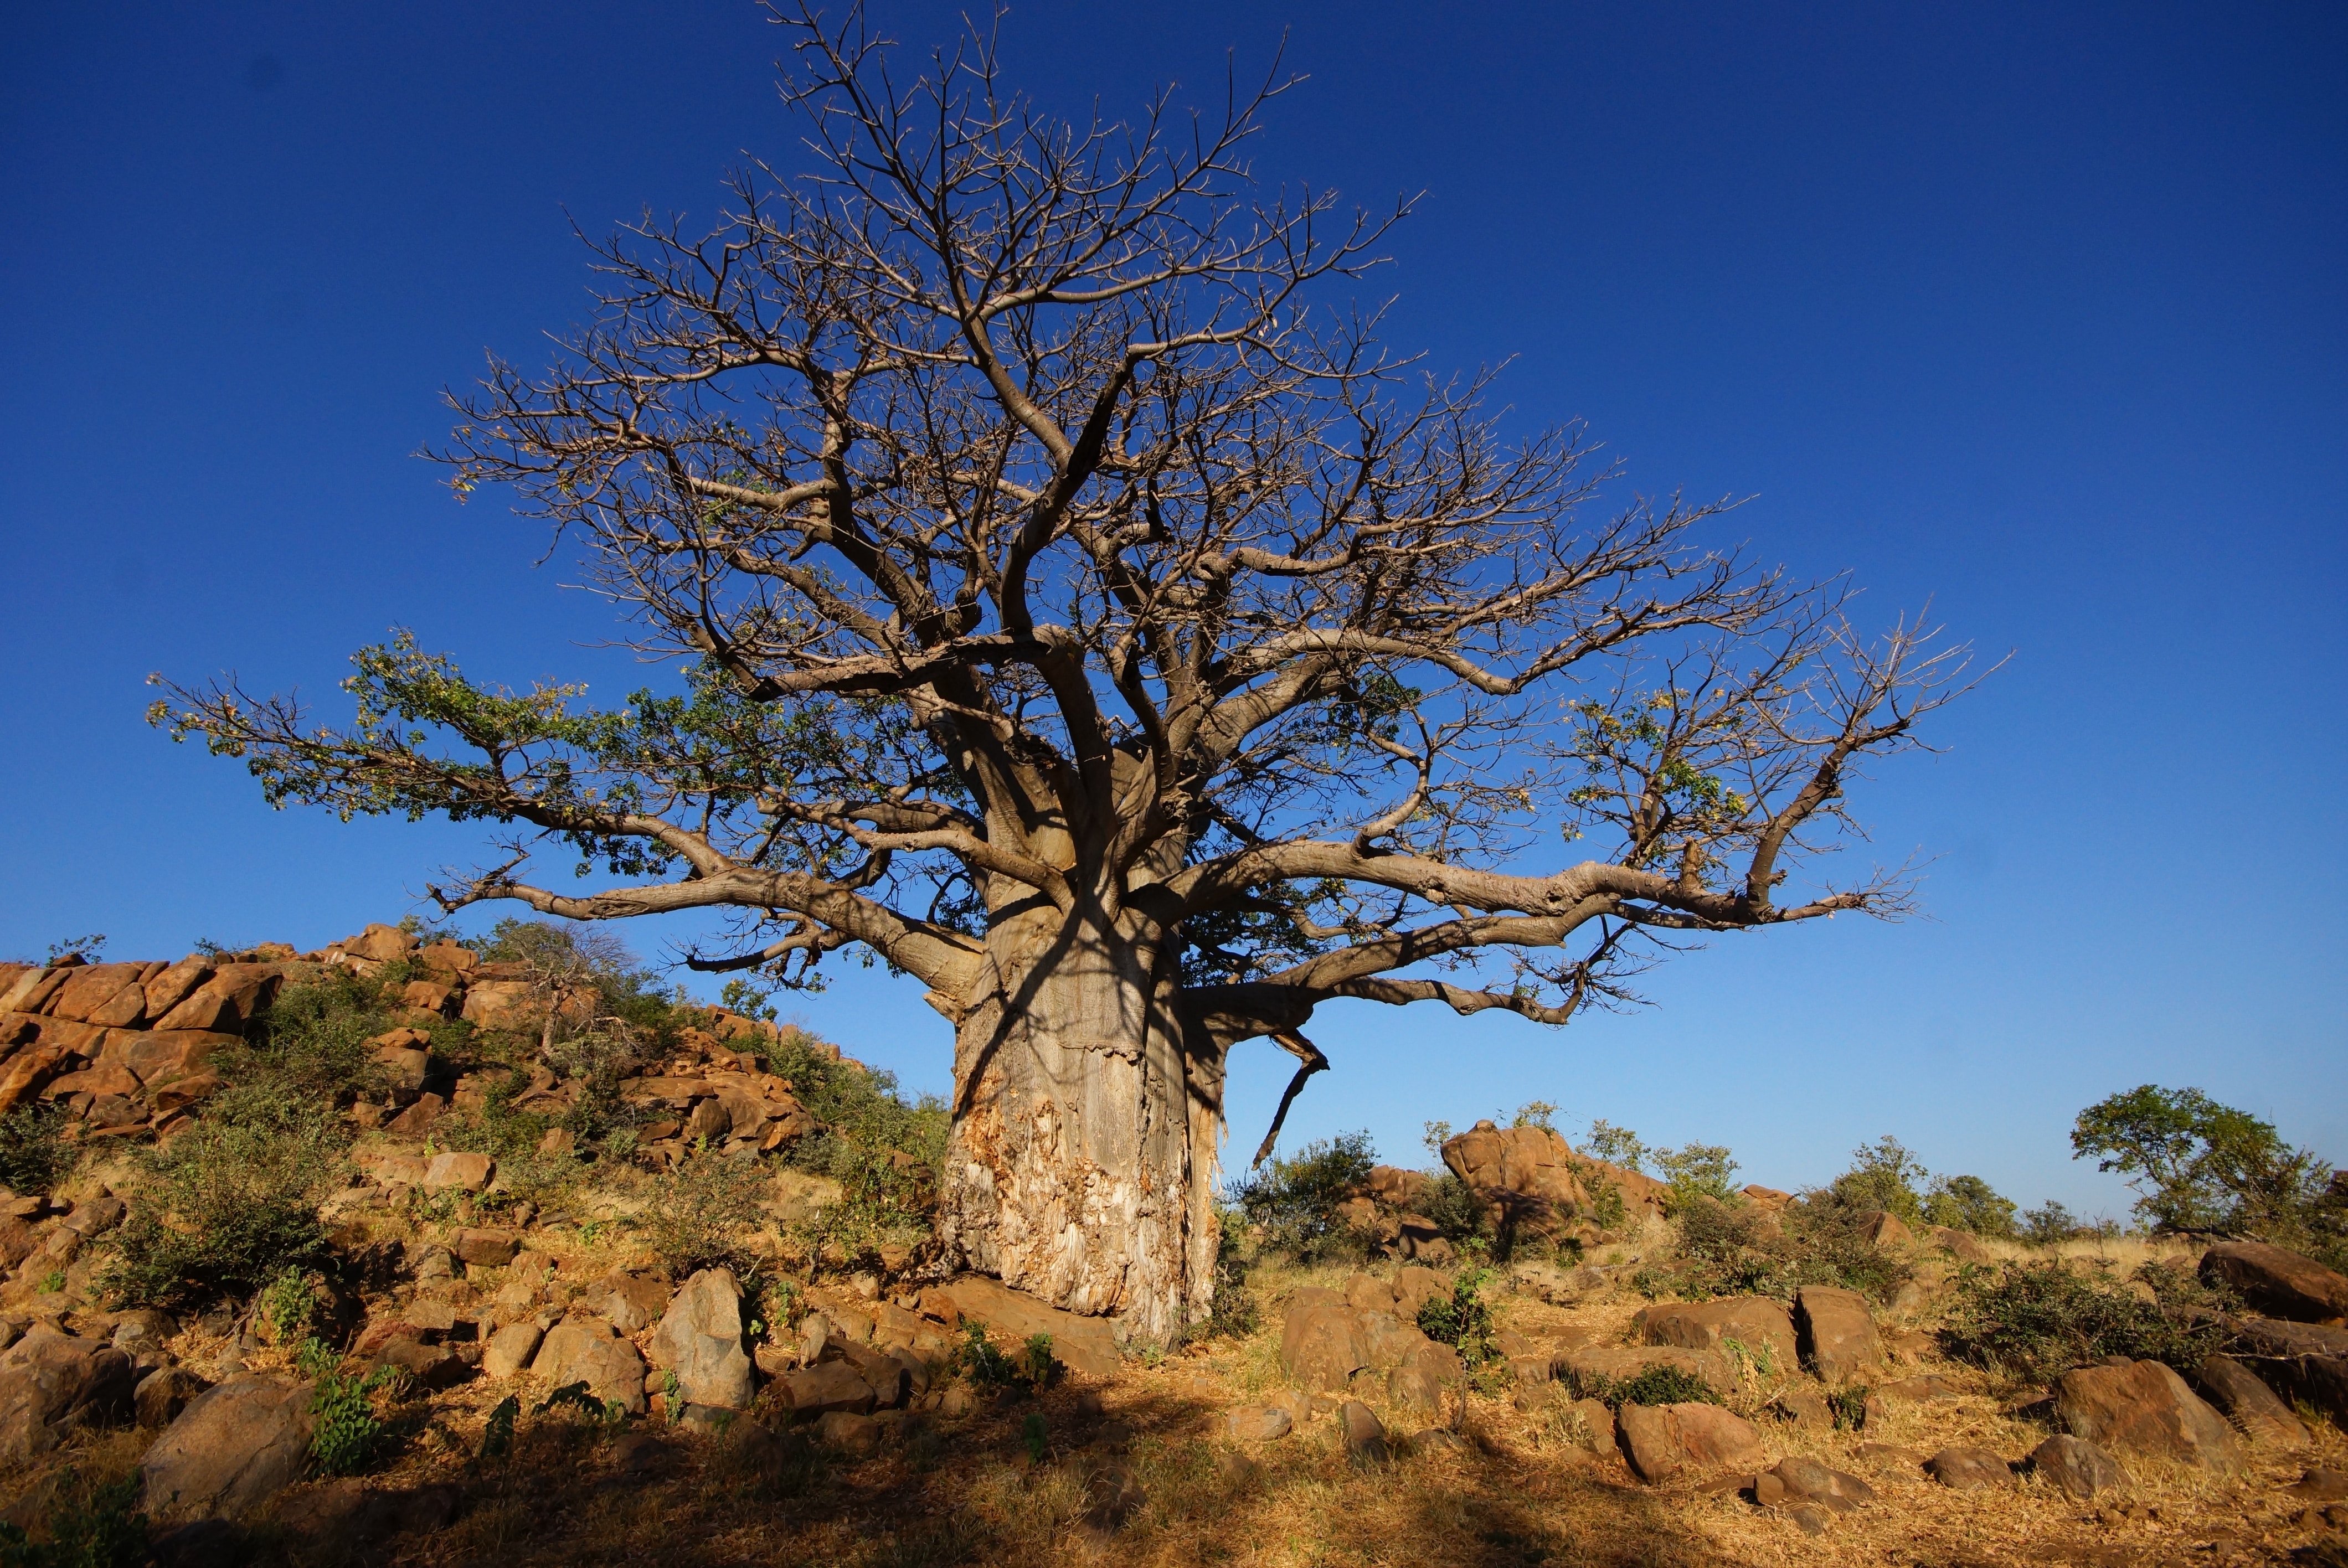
(403, 1251)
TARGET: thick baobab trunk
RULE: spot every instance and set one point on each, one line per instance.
(1083, 1159)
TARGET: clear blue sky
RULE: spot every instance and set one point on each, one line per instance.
(2034, 311)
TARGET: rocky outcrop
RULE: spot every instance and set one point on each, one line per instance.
(2143, 1407)
(1534, 1181)
(1836, 1332)
(2276, 1283)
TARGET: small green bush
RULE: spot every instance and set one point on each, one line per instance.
(702, 1213)
(1463, 1319)
(1969, 1203)
(1736, 1250)
(1459, 1213)
(345, 1432)
(1295, 1200)
(2034, 1321)
(232, 1203)
(988, 1367)
(1697, 1172)
(1656, 1385)
(32, 1154)
(1884, 1175)
(92, 1527)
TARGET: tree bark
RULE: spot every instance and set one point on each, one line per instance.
(1082, 1158)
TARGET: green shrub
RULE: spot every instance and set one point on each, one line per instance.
(1848, 1404)
(1655, 1385)
(988, 1367)
(1296, 1201)
(1884, 1175)
(1969, 1203)
(1738, 1250)
(32, 1154)
(2198, 1165)
(1463, 1319)
(1457, 1211)
(2034, 1321)
(90, 1527)
(701, 1215)
(1698, 1171)
(232, 1203)
(344, 1432)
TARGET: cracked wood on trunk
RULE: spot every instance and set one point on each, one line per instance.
(1082, 1162)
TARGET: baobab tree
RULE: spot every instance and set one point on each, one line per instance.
(1078, 609)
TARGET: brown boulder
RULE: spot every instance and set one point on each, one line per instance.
(1664, 1439)
(51, 1383)
(2076, 1467)
(167, 990)
(107, 995)
(827, 1387)
(1536, 1181)
(2276, 1281)
(1964, 1469)
(1755, 1322)
(2145, 1408)
(587, 1350)
(1365, 1434)
(1258, 1423)
(235, 995)
(1807, 1480)
(380, 944)
(489, 1248)
(1836, 1332)
(233, 1448)
(2256, 1411)
(1321, 1344)
(1620, 1363)
(1419, 1381)
(164, 1393)
(467, 1172)
(631, 1302)
(700, 1342)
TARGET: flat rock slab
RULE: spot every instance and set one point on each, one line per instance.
(233, 1448)
(1083, 1345)
(1664, 1440)
(1754, 1322)
(2077, 1467)
(2145, 1408)
(2277, 1282)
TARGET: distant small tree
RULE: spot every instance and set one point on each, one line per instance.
(1536, 1114)
(1969, 1203)
(1886, 1175)
(1696, 1170)
(2198, 1166)
(2050, 1223)
(1615, 1145)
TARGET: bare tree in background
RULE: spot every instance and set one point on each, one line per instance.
(1132, 654)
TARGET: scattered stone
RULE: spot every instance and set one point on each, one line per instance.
(2145, 1408)
(2277, 1282)
(828, 1386)
(700, 1341)
(1620, 1363)
(1594, 1421)
(1836, 1332)
(1664, 1439)
(1804, 1408)
(489, 1248)
(164, 1393)
(1365, 1436)
(1258, 1423)
(2077, 1466)
(233, 1448)
(2256, 1411)
(1803, 1479)
(588, 1350)
(432, 1365)
(1964, 1469)
(858, 1436)
(51, 1383)
(1112, 1495)
(1321, 1344)
(466, 1172)
(1427, 1369)
(417, 1121)
(509, 1350)
(631, 1302)
(2321, 1486)
(1755, 1322)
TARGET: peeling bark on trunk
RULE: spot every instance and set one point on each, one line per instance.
(1083, 1154)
